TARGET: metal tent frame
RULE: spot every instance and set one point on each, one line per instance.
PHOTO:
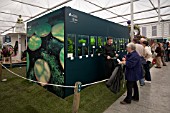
(106, 9)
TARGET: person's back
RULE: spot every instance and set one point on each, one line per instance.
(140, 49)
(133, 67)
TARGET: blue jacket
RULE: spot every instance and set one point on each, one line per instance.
(134, 70)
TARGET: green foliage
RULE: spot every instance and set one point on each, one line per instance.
(81, 41)
(34, 43)
(104, 42)
(92, 41)
(99, 41)
(54, 46)
(70, 48)
(57, 75)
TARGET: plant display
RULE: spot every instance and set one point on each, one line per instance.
(70, 48)
(42, 30)
(45, 57)
(99, 41)
(30, 31)
(92, 41)
(81, 41)
(42, 71)
(104, 42)
(34, 43)
(58, 31)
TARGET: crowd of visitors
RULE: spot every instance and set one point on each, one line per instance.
(137, 63)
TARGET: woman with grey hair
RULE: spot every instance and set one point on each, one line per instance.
(133, 73)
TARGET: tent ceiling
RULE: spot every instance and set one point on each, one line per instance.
(117, 11)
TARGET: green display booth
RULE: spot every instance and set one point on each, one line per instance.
(66, 46)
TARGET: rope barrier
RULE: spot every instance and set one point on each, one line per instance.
(94, 83)
(52, 84)
(36, 81)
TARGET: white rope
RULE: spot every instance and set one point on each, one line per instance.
(94, 83)
(52, 84)
(36, 81)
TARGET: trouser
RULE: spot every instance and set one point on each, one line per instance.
(168, 55)
(147, 71)
(109, 67)
(131, 85)
(158, 61)
(142, 81)
(163, 60)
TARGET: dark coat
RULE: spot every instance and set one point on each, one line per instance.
(114, 83)
(158, 51)
(109, 51)
(133, 67)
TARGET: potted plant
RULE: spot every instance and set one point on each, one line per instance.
(70, 49)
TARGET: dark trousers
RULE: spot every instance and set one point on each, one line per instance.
(168, 53)
(131, 85)
(147, 71)
(109, 67)
(166, 56)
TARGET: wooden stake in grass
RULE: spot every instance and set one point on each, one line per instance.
(76, 100)
(10, 61)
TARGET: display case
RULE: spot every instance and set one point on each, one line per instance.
(93, 46)
(71, 52)
(66, 46)
(83, 45)
(100, 44)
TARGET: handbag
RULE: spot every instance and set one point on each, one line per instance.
(154, 61)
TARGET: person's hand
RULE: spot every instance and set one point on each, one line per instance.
(124, 62)
(123, 59)
(116, 55)
(108, 57)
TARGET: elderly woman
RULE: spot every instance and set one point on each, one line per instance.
(133, 73)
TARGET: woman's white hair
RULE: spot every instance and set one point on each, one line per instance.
(132, 46)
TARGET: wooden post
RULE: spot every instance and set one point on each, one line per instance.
(10, 58)
(76, 100)
(0, 71)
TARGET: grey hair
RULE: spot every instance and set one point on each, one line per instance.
(132, 46)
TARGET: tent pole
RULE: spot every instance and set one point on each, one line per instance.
(132, 23)
(159, 11)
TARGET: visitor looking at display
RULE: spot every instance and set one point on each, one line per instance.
(133, 73)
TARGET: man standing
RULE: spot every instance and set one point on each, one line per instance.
(109, 54)
(133, 73)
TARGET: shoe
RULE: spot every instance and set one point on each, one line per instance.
(142, 84)
(157, 67)
(124, 102)
(137, 100)
(148, 82)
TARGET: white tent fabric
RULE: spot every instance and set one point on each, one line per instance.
(117, 11)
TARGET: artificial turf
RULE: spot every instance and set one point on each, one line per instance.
(20, 96)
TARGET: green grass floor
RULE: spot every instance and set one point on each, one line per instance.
(20, 96)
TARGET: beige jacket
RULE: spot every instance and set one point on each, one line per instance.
(140, 49)
(148, 54)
